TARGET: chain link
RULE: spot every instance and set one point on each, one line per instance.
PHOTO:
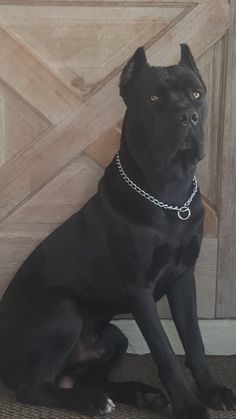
(151, 198)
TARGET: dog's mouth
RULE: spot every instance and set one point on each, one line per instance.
(186, 144)
(191, 147)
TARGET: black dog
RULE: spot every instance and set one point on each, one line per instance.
(120, 253)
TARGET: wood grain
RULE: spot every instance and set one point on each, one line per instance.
(62, 38)
(31, 80)
(99, 3)
(226, 280)
(212, 67)
(104, 109)
(40, 215)
(21, 124)
(59, 99)
(104, 148)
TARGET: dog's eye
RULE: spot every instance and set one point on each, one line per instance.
(196, 95)
(154, 98)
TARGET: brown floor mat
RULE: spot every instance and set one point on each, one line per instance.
(133, 367)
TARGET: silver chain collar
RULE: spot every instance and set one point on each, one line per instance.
(183, 212)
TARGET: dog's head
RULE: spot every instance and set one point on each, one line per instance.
(166, 107)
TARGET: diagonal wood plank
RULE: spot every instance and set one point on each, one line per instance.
(41, 214)
(63, 38)
(20, 123)
(41, 161)
(33, 81)
(100, 3)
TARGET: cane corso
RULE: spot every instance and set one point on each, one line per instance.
(135, 241)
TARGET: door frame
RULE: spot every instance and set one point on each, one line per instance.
(226, 261)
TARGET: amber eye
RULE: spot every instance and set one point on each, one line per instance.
(196, 95)
(154, 98)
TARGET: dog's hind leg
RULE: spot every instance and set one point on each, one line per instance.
(88, 400)
(44, 333)
(132, 392)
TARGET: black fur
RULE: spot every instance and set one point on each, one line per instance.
(120, 254)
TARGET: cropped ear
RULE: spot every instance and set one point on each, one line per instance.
(187, 59)
(131, 70)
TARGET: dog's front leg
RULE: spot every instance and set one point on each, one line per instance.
(185, 405)
(182, 301)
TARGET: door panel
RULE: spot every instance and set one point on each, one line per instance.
(61, 114)
(226, 283)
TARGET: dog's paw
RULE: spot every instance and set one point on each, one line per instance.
(219, 398)
(107, 407)
(192, 411)
(101, 405)
(152, 399)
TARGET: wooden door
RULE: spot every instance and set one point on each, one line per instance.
(60, 115)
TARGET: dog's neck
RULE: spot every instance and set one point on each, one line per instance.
(163, 180)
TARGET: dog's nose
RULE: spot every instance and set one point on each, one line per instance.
(189, 117)
(194, 118)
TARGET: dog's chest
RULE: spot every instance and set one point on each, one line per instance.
(169, 261)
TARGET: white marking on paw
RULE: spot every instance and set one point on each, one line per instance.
(110, 406)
